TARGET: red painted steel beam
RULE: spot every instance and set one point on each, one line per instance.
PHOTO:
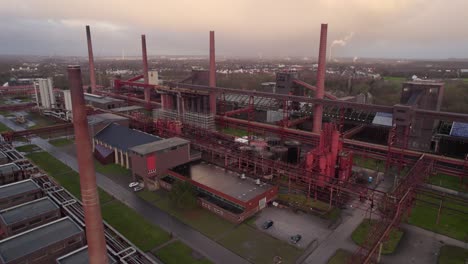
(38, 131)
(313, 88)
(353, 131)
(444, 164)
(97, 250)
(419, 113)
(319, 94)
(136, 84)
(285, 97)
(16, 107)
(129, 98)
(295, 122)
(92, 73)
(239, 111)
(136, 78)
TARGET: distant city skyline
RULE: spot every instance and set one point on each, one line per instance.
(414, 29)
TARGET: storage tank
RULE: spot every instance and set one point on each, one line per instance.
(281, 153)
(294, 150)
(273, 141)
(259, 144)
(246, 150)
(265, 154)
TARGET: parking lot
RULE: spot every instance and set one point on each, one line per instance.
(288, 223)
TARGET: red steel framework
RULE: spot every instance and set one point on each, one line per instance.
(222, 149)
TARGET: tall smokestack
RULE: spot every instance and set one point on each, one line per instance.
(92, 74)
(145, 58)
(145, 68)
(92, 211)
(212, 73)
(320, 92)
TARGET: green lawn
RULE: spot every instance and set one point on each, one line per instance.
(452, 255)
(359, 235)
(341, 256)
(237, 132)
(133, 226)
(4, 112)
(446, 181)
(302, 201)
(177, 252)
(4, 128)
(112, 169)
(67, 177)
(395, 79)
(40, 120)
(258, 247)
(450, 223)
(198, 218)
(143, 234)
(60, 142)
(28, 148)
(369, 163)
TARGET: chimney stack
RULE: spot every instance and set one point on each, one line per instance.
(145, 68)
(92, 210)
(212, 82)
(320, 92)
(92, 74)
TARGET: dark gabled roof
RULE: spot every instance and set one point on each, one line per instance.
(123, 138)
(159, 145)
(105, 152)
(27, 210)
(37, 238)
(18, 188)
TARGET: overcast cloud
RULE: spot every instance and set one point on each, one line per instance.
(378, 28)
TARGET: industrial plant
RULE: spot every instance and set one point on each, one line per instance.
(293, 139)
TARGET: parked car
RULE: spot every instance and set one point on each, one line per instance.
(137, 188)
(267, 224)
(133, 184)
(296, 238)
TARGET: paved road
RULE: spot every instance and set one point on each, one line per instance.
(339, 238)
(199, 242)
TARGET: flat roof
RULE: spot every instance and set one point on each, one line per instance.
(37, 238)
(27, 210)
(100, 99)
(9, 168)
(383, 119)
(17, 188)
(124, 138)
(425, 82)
(105, 117)
(80, 256)
(227, 182)
(159, 145)
(126, 108)
(459, 129)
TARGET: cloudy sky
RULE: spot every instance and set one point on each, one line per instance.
(362, 28)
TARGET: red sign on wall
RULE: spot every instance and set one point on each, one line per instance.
(151, 162)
